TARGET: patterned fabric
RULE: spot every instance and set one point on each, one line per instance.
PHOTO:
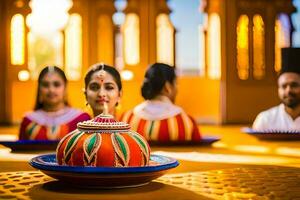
(115, 149)
(40, 125)
(180, 127)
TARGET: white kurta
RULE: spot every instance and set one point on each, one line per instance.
(276, 118)
(157, 109)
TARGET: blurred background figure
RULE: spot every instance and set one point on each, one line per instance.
(286, 115)
(225, 66)
(157, 118)
(52, 117)
(103, 86)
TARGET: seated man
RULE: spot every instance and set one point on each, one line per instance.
(285, 116)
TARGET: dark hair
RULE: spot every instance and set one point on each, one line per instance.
(290, 60)
(97, 67)
(60, 72)
(155, 78)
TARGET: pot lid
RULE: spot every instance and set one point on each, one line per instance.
(103, 123)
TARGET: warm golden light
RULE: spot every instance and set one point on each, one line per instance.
(229, 158)
(131, 33)
(45, 38)
(164, 40)
(8, 137)
(48, 16)
(127, 75)
(73, 47)
(7, 155)
(277, 64)
(23, 75)
(243, 47)
(214, 46)
(17, 41)
(282, 39)
(44, 51)
(258, 47)
(252, 148)
(288, 151)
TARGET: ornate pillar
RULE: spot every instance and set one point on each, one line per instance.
(80, 7)
(12, 61)
(3, 62)
(101, 31)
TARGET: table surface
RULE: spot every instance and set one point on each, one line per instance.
(237, 167)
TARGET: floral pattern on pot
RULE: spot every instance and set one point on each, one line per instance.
(103, 142)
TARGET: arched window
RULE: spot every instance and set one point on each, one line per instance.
(282, 38)
(243, 47)
(17, 41)
(132, 39)
(44, 51)
(164, 40)
(73, 47)
(258, 47)
(214, 46)
(46, 40)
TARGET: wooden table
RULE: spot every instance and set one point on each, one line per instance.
(237, 167)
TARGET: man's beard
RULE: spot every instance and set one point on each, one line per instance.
(292, 103)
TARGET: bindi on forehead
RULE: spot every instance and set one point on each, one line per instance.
(101, 75)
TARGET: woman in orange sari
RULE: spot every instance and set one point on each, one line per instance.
(157, 118)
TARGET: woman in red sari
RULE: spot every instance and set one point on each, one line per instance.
(52, 117)
(157, 118)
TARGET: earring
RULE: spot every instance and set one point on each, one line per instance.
(118, 106)
(88, 109)
(65, 99)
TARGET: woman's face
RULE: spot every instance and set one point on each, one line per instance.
(101, 90)
(52, 89)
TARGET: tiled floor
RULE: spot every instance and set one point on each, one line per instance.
(239, 166)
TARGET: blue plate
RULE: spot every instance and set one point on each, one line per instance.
(273, 134)
(30, 145)
(104, 177)
(205, 141)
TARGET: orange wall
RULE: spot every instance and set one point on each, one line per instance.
(24, 93)
(23, 98)
(199, 97)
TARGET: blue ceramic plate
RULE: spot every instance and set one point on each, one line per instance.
(273, 134)
(30, 145)
(104, 177)
(206, 140)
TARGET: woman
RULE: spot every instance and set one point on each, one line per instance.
(157, 118)
(52, 117)
(103, 88)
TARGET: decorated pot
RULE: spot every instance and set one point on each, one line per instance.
(104, 142)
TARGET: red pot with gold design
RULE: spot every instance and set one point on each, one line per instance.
(103, 142)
